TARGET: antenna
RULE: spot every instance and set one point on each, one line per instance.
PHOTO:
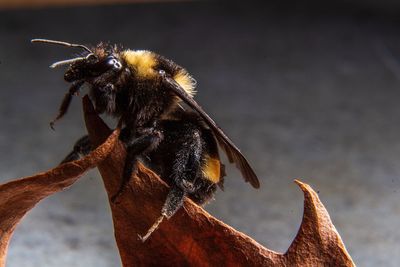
(47, 41)
(68, 61)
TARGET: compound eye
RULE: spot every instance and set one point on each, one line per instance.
(114, 63)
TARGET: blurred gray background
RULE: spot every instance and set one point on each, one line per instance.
(306, 90)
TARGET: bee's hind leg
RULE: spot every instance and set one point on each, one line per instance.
(186, 180)
(172, 204)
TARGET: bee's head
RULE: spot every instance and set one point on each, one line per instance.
(91, 64)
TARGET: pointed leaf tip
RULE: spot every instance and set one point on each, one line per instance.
(317, 242)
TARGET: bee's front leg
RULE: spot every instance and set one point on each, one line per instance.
(73, 90)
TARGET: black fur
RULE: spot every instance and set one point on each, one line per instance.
(174, 142)
(179, 158)
(139, 102)
(176, 151)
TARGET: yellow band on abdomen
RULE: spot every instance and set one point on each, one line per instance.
(212, 169)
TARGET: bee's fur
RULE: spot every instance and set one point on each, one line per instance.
(182, 157)
(144, 90)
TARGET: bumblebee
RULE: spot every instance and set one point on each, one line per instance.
(162, 124)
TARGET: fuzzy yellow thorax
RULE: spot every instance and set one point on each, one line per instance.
(142, 61)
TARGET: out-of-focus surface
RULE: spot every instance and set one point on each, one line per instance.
(51, 3)
(377, 4)
(305, 91)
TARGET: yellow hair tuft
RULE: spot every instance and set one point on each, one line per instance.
(142, 61)
(212, 169)
(186, 81)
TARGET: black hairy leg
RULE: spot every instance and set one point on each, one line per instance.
(182, 169)
(136, 147)
(205, 190)
(200, 191)
(73, 90)
(172, 204)
(188, 157)
(187, 173)
(81, 148)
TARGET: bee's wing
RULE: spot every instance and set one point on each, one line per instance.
(232, 152)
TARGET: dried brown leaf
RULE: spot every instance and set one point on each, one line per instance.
(192, 236)
(19, 196)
